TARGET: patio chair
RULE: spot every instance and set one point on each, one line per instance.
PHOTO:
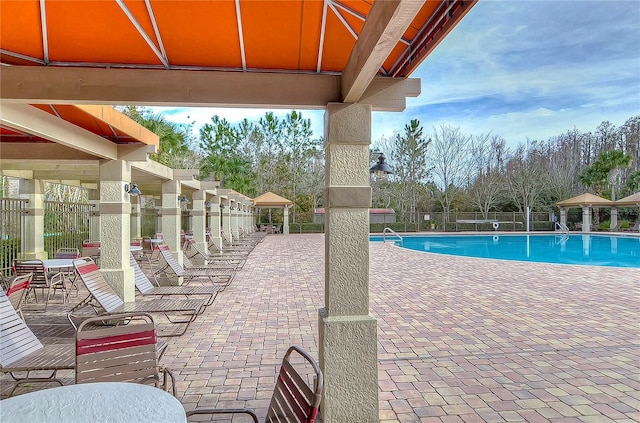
(91, 248)
(296, 397)
(104, 301)
(67, 253)
(218, 277)
(18, 291)
(121, 352)
(146, 288)
(21, 351)
(41, 279)
(634, 228)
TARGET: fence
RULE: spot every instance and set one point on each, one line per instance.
(66, 225)
(12, 212)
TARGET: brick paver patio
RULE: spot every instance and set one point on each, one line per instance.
(459, 339)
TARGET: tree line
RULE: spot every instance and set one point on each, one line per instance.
(440, 170)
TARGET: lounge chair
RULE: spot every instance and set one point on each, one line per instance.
(218, 277)
(41, 279)
(21, 351)
(191, 249)
(104, 301)
(18, 291)
(634, 228)
(146, 288)
(294, 398)
(122, 352)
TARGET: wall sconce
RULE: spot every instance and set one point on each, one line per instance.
(183, 199)
(207, 204)
(222, 206)
(381, 169)
(132, 190)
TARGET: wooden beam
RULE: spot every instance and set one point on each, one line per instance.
(65, 85)
(26, 118)
(386, 22)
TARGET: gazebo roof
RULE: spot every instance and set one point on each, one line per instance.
(269, 199)
(586, 199)
(631, 200)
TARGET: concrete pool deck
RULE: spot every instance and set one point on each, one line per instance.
(459, 339)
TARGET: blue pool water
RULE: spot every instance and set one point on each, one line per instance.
(592, 250)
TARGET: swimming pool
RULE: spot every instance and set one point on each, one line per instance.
(583, 249)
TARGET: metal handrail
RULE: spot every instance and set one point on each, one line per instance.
(388, 229)
(563, 228)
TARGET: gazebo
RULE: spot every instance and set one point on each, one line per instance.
(629, 201)
(269, 200)
(586, 201)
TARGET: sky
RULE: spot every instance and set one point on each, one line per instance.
(523, 70)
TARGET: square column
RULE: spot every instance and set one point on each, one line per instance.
(136, 218)
(586, 219)
(226, 221)
(171, 220)
(234, 221)
(33, 242)
(348, 333)
(94, 200)
(214, 222)
(198, 219)
(285, 227)
(614, 218)
(115, 228)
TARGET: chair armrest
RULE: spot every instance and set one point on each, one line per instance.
(56, 278)
(198, 411)
(167, 372)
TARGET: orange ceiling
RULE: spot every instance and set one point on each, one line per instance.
(310, 36)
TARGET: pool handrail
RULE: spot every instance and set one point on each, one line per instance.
(563, 228)
(388, 229)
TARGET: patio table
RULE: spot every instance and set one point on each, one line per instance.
(95, 402)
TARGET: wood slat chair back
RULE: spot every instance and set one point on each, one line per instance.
(18, 291)
(170, 259)
(143, 284)
(296, 397)
(67, 253)
(16, 339)
(21, 353)
(90, 274)
(122, 352)
(91, 248)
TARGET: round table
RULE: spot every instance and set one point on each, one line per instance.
(58, 263)
(94, 402)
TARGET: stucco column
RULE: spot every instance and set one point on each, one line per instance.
(198, 219)
(171, 217)
(348, 333)
(94, 200)
(226, 221)
(115, 228)
(33, 243)
(234, 221)
(136, 218)
(586, 219)
(214, 223)
(614, 217)
(563, 216)
(285, 227)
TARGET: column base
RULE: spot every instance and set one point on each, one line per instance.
(349, 363)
